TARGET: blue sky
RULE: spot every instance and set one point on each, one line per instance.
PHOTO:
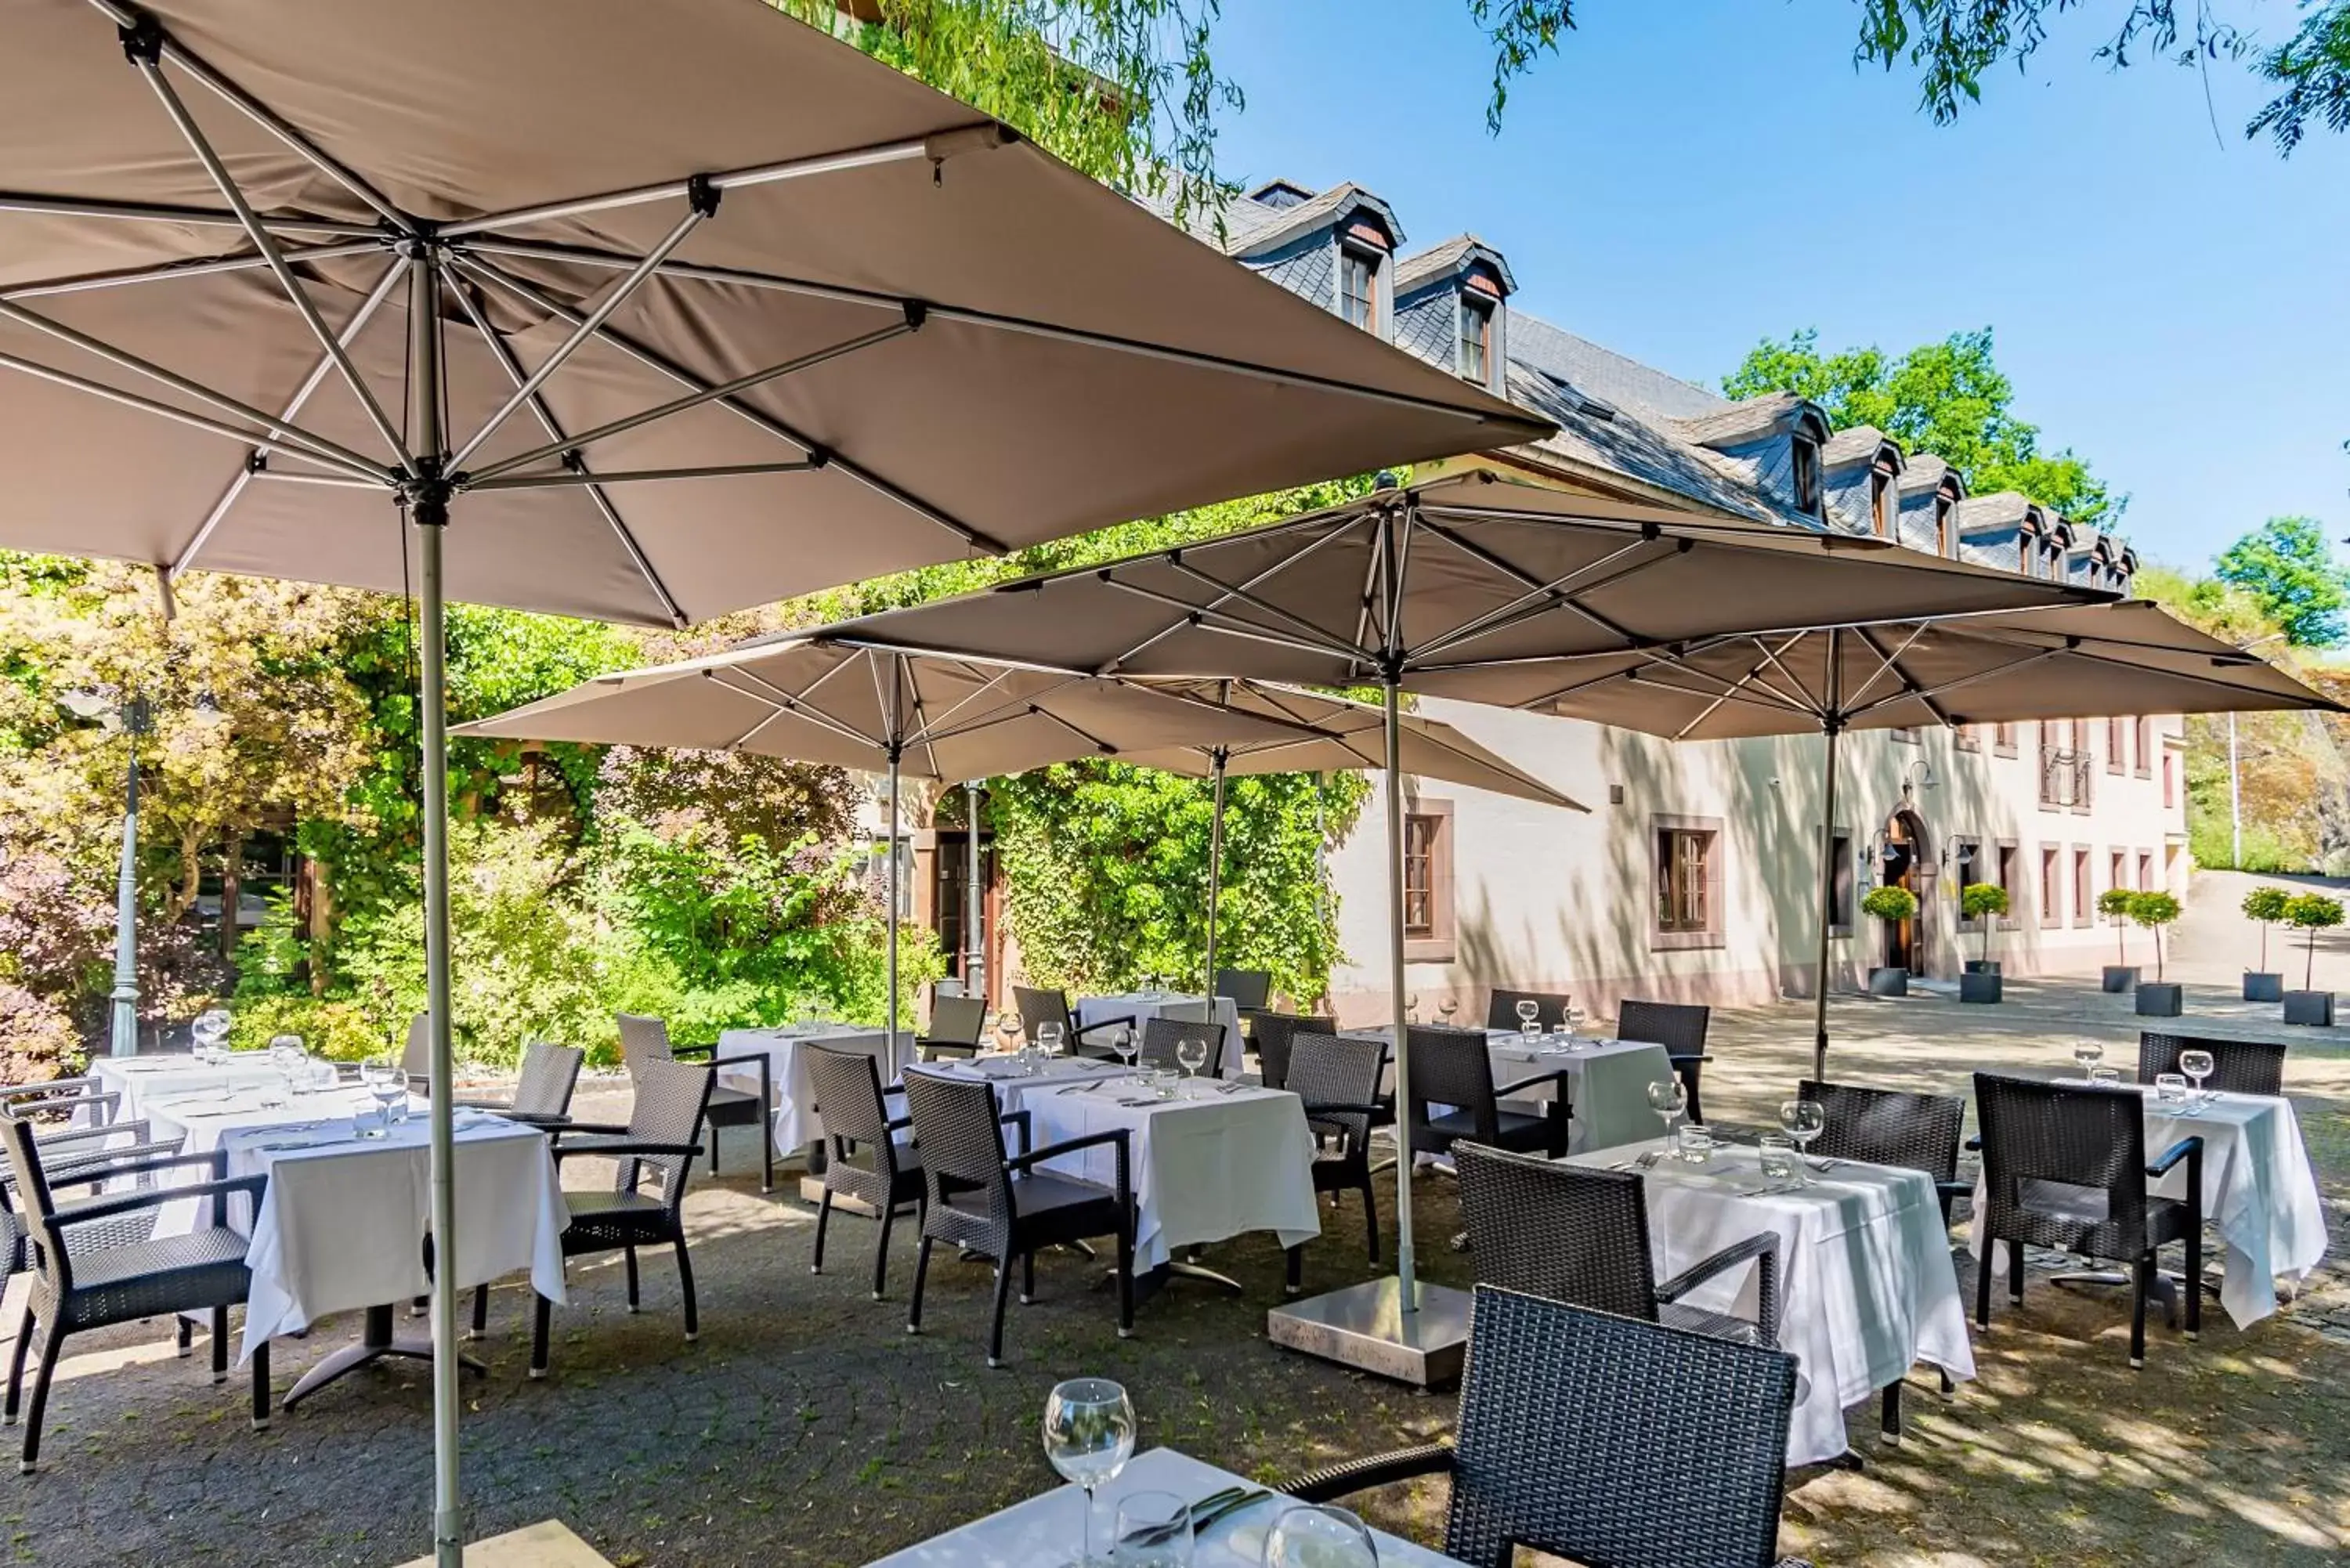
(1682, 179)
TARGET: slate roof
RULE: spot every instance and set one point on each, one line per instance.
(2000, 509)
(1854, 443)
(1603, 373)
(1439, 260)
(1748, 419)
(1926, 470)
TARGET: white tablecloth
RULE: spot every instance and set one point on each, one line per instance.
(797, 1124)
(1608, 1089)
(1013, 1087)
(146, 1082)
(1144, 1006)
(1867, 1287)
(206, 1118)
(342, 1223)
(2259, 1192)
(1203, 1168)
(1045, 1531)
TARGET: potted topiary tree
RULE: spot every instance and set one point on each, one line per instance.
(2114, 903)
(2311, 912)
(1987, 902)
(1890, 905)
(2154, 999)
(2265, 905)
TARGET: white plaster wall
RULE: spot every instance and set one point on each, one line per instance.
(1551, 900)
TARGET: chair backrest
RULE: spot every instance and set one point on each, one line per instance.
(2064, 1163)
(71, 1099)
(1272, 1032)
(847, 1086)
(1614, 1442)
(672, 1097)
(1564, 1232)
(1678, 1026)
(1160, 1037)
(51, 1259)
(549, 1074)
(416, 1056)
(961, 1140)
(956, 1021)
(1248, 988)
(1039, 1005)
(1501, 1011)
(1450, 1068)
(1325, 1069)
(643, 1040)
(2237, 1066)
(1888, 1127)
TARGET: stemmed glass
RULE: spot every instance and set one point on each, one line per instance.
(1570, 1019)
(1048, 1039)
(1446, 1009)
(1529, 1011)
(291, 1058)
(386, 1085)
(1007, 1031)
(2086, 1054)
(1124, 1046)
(210, 1031)
(1319, 1536)
(1192, 1054)
(1088, 1438)
(1411, 1008)
(1803, 1120)
(2198, 1066)
(1668, 1098)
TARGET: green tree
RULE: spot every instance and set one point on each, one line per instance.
(2266, 905)
(2287, 568)
(1986, 902)
(2313, 913)
(1948, 398)
(2154, 910)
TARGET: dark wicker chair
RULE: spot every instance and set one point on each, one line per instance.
(1502, 1010)
(416, 1056)
(1001, 1205)
(65, 1153)
(956, 1024)
(77, 1286)
(1162, 1036)
(1680, 1027)
(1892, 1126)
(2064, 1166)
(865, 1161)
(1569, 1233)
(2237, 1066)
(644, 1206)
(647, 1039)
(543, 1090)
(1604, 1440)
(1272, 1033)
(1450, 1068)
(1338, 1080)
(1037, 1006)
(1249, 989)
(85, 1100)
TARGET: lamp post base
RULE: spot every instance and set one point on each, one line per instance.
(1364, 1326)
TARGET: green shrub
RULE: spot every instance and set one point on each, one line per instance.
(2154, 910)
(37, 1036)
(1984, 901)
(2266, 905)
(2312, 912)
(2114, 903)
(1890, 903)
(337, 1031)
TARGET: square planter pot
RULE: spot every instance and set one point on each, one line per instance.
(1889, 982)
(2259, 987)
(2160, 1001)
(2120, 977)
(1982, 966)
(2312, 1007)
(1976, 985)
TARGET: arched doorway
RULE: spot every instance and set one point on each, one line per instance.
(1904, 861)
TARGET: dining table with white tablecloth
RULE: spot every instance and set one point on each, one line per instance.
(796, 1124)
(144, 1082)
(1867, 1286)
(2259, 1192)
(1142, 1006)
(1607, 1080)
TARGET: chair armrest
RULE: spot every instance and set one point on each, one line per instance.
(1025, 1122)
(680, 1053)
(1351, 1476)
(1339, 1108)
(1079, 1031)
(1974, 1144)
(628, 1149)
(900, 1124)
(1677, 1057)
(216, 1159)
(1121, 1136)
(1763, 1249)
(1501, 1091)
(2188, 1147)
(51, 1144)
(544, 1121)
(153, 1198)
(598, 1129)
(78, 1170)
(503, 1107)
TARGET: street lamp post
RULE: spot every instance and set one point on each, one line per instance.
(974, 963)
(2235, 778)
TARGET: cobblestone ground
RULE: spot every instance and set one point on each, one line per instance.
(806, 1428)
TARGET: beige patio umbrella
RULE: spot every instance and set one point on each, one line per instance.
(1349, 736)
(640, 312)
(1458, 587)
(2078, 662)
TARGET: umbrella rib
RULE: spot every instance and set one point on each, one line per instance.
(1299, 624)
(158, 212)
(90, 282)
(1201, 616)
(545, 416)
(1096, 742)
(778, 697)
(599, 478)
(619, 295)
(1960, 682)
(941, 724)
(1775, 658)
(643, 416)
(774, 427)
(1569, 602)
(1752, 677)
(264, 241)
(1399, 578)
(1541, 601)
(1774, 704)
(1269, 572)
(1585, 684)
(1890, 660)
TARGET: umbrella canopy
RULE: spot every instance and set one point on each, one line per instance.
(2074, 662)
(862, 302)
(1469, 587)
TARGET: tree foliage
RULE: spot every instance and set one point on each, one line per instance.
(2287, 568)
(1948, 398)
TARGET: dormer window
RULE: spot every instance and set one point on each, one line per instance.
(1880, 501)
(1943, 506)
(1358, 287)
(1476, 357)
(1807, 474)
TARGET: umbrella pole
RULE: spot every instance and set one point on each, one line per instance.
(1215, 867)
(430, 510)
(1409, 1293)
(895, 872)
(1831, 725)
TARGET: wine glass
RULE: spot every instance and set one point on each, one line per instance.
(1319, 1536)
(1048, 1038)
(1411, 1007)
(1192, 1054)
(1570, 1019)
(1007, 1031)
(386, 1084)
(2086, 1054)
(1668, 1099)
(2198, 1066)
(1088, 1438)
(1803, 1120)
(210, 1031)
(1154, 1530)
(1123, 1044)
(1446, 1009)
(1529, 1014)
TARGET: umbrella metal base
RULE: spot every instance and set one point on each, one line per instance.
(1364, 1326)
(376, 1342)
